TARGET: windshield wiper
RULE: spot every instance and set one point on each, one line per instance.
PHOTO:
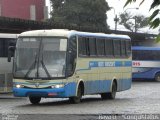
(32, 66)
(44, 67)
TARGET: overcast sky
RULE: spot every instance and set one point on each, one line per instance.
(118, 6)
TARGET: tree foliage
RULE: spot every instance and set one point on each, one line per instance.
(154, 19)
(133, 23)
(80, 12)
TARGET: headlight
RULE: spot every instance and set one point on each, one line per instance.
(19, 86)
(58, 86)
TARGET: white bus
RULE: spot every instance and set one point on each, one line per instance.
(70, 64)
(5, 67)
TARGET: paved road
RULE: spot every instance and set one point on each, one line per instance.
(142, 98)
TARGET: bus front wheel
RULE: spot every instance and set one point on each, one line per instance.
(35, 100)
(77, 99)
(112, 94)
(157, 77)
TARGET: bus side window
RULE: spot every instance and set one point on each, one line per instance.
(92, 46)
(123, 48)
(87, 46)
(100, 47)
(117, 48)
(83, 46)
(72, 55)
(4, 44)
(109, 47)
(128, 48)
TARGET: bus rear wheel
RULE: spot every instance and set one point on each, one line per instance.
(77, 99)
(112, 94)
(157, 77)
(35, 100)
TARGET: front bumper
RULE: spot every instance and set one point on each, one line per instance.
(66, 91)
(24, 92)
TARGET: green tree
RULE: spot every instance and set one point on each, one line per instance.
(137, 22)
(154, 19)
(80, 12)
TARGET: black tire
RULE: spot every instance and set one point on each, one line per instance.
(157, 77)
(77, 99)
(112, 94)
(35, 100)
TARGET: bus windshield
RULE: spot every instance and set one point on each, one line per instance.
(40, 58)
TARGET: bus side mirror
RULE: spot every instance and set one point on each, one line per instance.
(11, 50)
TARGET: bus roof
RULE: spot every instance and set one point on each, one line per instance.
(8, 35)
(68, 33)
(144, 48)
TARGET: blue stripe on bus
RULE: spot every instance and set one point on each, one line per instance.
(110, 64)
(150, 74)
(96, 64)
(145, 48)
(97, 86)
(128, 63)
(101, 86)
